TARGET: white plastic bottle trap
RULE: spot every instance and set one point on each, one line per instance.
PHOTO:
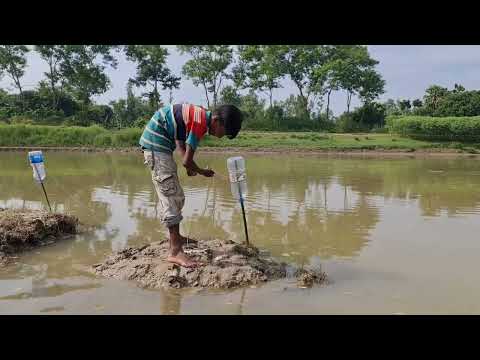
(238, 184)
(39, 174)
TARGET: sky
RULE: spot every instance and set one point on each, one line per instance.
(407, 69)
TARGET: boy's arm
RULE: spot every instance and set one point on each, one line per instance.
(187, 154)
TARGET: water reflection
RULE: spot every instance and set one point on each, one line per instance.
(296, 207)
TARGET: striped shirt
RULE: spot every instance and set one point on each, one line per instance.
(184, 122)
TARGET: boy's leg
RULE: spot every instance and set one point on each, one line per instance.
(171, 199)
(177, 255)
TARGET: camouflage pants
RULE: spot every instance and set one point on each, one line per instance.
(165, 179)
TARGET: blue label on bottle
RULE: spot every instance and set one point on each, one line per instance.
(36, 158)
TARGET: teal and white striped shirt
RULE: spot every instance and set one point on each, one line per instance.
(183, 122)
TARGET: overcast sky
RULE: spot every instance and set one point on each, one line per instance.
(407, 69)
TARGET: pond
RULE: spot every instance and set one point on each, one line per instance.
(395, 236)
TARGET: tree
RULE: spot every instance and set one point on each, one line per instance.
(433, 95)
(229, 95)
(83, 75)
(293, 107)
(53, 55)
(302, 64)
(363, 118)
(458, 103)
(371, 85)
(331, 83)
(458, 88)
(252, 106)
(353, 70)
(152, 70)
(127, 111)
(371, 114)
(207, 67)
(417, 103)
(391, 108)
(13, 63)
(258, 68)
(332, 72)
(404, 105)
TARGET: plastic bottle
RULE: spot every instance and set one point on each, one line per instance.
(38, 167)
(238, 176)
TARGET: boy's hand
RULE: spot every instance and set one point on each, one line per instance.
(208, 172)
(191, 172)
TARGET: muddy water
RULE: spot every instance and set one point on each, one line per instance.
(394, 236)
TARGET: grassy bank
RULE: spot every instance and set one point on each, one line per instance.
(55, 136)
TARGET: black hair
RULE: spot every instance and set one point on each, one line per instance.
(231, 117)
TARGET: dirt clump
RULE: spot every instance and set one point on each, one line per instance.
(25, 229)
(306, 278)
(227, 265)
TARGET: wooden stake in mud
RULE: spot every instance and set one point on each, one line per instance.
(43, 187)
(35, 158)
(243, 208)
(244, 219)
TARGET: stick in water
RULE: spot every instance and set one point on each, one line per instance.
(43, 187)
(243, 208)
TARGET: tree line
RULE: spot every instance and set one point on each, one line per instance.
(237, 75)
(438, 101)
(227, 74)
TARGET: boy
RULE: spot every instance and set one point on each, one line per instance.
(181, 127)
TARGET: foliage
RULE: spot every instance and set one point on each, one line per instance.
(439, 102)
(128, 112)
(53, 56)
(350, 67)
(84, 75)
(34, 135)
(441, 128)
(207, 67)
(258, 69)
(362, 119)
(230, 95)
(13, 62)
(151, 70)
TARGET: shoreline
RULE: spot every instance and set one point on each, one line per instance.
(427, 152)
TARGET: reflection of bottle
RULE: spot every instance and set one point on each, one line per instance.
(238, 176)
(36, 160)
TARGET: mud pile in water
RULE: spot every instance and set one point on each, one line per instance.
(22, 230)
(227, 265)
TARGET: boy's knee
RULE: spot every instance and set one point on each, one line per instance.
(170, 221)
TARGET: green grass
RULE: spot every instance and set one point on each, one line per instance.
(466, 128)
(74, 136)
(340, 142)
(95, 136)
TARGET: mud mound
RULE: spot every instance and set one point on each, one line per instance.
(228, 265)
(22, 230)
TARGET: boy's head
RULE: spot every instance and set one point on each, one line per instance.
(226, 120)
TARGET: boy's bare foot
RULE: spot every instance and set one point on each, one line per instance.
(183, 260)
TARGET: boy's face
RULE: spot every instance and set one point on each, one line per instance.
(216, 129)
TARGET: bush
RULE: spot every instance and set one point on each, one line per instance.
(444, 128)
(40, 135)
(126, 137)
(141, 122)
(362, 119)
(20, 119)
(55, 119)
(347, 124)
(379, 130)
(103, 140)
